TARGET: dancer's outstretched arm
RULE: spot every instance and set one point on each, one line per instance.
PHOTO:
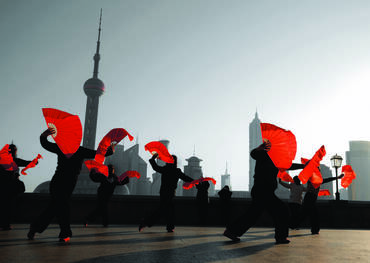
(327, 180)
(296, 166)
(22, 163)
(286, 185)
(184, 177)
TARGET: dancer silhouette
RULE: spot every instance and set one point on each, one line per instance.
(10, 188)
(61, 187)
(309, 204)
(170, 175)
(202, 201)
(105, 192)
(263, 197)
(295, 201)
(225, 200)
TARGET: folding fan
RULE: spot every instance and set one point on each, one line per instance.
(31, 164)
(284, 176)
(68, 129)
(316, 177)
(324, 192)
(114, 136)
(311, 171)
(283, 145)
(129, 174)
(98, 167)
(191, 184)
(349, 175)
(6, 159)
(160, 148)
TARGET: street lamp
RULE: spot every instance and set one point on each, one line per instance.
(336, 162)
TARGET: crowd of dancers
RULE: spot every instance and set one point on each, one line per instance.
(68, 168)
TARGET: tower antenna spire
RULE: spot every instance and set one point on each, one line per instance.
(97, 54)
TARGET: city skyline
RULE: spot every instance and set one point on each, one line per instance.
(193, 73)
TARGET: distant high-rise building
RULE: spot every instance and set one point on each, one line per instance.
(179, 189)
(194, 170)
(343, 194)
(156, 184)
(225, 179)
(130, 160)
(358, 157)
(93, 89)
(255, 139)
(212, 189)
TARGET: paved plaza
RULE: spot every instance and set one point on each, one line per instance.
(186, 244)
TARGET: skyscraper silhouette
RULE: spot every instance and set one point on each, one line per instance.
(93, 89)
(225, 179)
(358, 157)
(255, 139)
(194, 170)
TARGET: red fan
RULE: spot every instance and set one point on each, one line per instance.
(283, 145)
(6, 159)
(349, 175)
(189, 185)
(31, 164)
(324, 192)
(158, 147)
(98, 167)
(68, 129)
(311, 171)
(284, 176)
(114, 136)
(129, 174)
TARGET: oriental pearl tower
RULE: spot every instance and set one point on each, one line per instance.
(93, 89)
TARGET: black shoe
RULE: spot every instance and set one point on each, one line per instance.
(170, 230)
(315, 233)
(282, 241)
(230, 235)
(65, 240)
(31, 235)
(141, 227)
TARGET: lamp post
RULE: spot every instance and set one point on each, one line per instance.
(336, 162)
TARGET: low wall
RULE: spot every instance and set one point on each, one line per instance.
(130, 209)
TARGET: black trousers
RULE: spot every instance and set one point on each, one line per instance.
(166, 209)
(295, 214)
(202, 211)
(310, 211)
(9, 193)
(59, 207)
(225, 209)
(263, 200)
(100, 210)
(7, 201)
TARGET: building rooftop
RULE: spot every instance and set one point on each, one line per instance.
(187, 244)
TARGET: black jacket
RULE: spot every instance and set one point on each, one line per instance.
(265, 172)
(107, 184)
(170, 177)
(68, 169)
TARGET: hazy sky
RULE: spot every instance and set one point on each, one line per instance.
(193, 72)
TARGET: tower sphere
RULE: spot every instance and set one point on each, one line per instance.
(94, 87)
